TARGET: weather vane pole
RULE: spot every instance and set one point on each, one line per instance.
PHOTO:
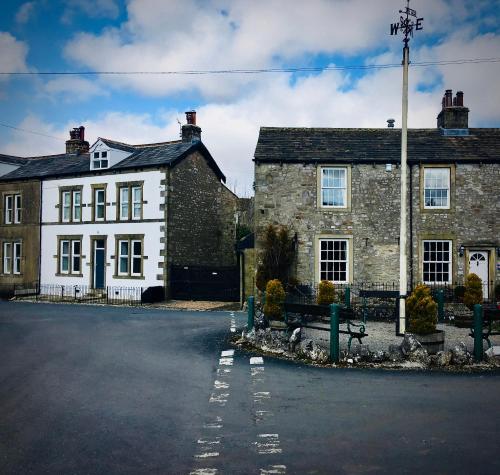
(408, 22)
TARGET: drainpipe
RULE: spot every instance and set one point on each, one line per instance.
(40, 237)
(411, 225)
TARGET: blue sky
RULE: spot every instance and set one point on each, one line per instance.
(174, 35)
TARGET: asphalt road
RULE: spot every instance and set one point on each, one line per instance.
(103, 390)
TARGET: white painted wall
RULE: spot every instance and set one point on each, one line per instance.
(51, 228)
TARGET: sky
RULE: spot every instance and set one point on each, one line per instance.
(198, 35)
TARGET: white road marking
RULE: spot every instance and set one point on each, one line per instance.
(217, 424)
(226, 361)
(220, 384)
(219, 398)
(270, 445)
(273, 469)
(223, 371)
(204, 471)
(261, 415)
(256, 370)
(256, 360)
(227, 353)
(209, 441)
(206, 455)
(260, 396)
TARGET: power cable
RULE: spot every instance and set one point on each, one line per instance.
(253, 71)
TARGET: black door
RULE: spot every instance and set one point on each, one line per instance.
(99, 263)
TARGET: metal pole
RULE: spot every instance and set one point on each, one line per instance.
(403, 284)
(440, 302)
(250, 322)
(478, 332)
(334, 332)
(348, 297)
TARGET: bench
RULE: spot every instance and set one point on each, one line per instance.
(491, 314)
(313, 313)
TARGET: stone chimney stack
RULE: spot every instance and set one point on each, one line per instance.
(190, 131)
(76, 143)
(453, 114)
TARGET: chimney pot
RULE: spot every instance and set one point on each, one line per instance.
(460, 98)
(390, 123)
(191, 117)
(448, 95)
(76, 142)
(453, 114)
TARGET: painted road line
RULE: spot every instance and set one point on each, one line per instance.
(227, 353)
(262, 415)
(226, 361)
(209, 441)
(206, 455)
(260, 396)
(220, 384)
(273, 469)
(222, 372)
(204, 471)
(256, 360)
(216, 424)
(220, 399)
(268, 444)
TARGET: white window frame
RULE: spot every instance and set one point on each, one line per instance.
(66, 207)
(322, 260)
(134, 257)
(324, 187)
(76, 206)
(16, 257)
(17, 209)
(12, 209)
(136, 203)
(429, 170)
(100, 160)
(71, 255)
(7, 258)
(123, 256)
(62, 255)
(124, 204)
(99, 203)
(434, 260)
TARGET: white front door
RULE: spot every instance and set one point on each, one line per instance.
(478, 264)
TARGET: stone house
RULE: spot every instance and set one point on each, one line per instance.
(115, 214)
(339, 191)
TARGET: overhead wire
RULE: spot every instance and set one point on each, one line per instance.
(254, 71)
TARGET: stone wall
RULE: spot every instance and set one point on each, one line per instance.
(28, 231)
(201, 210)
(286, 194)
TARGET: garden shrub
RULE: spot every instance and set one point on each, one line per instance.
(275, 296)
(326, 293)
(497, 292)
(473, 291)
(422, 311)
(459, 293)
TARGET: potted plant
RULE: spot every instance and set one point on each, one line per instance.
(472, 295)
(422, 314)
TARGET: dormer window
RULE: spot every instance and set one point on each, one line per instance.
(99, 160)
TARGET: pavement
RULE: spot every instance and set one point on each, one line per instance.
(94, 390)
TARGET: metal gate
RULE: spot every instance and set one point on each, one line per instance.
(205, 283)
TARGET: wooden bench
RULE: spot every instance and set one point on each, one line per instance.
(491, 314)
(314, 313)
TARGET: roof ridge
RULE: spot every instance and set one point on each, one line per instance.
(157, 144)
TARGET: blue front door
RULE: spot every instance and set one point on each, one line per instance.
(99, 263)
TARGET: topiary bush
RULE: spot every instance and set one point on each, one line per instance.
(275, 296)
(459, 293)
(422, 311)
(473, 291)
(326, 293)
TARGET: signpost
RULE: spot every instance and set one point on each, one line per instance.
(408, 22)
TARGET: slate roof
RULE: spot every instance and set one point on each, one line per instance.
(301, 145)
(12, 160)
(117, 145)
(143, 156)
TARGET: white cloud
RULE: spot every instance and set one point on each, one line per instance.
(25, 12)
(12, 57)
(73, 89)
(91, 8)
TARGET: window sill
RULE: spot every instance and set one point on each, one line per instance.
(68, 275)
(130, 277)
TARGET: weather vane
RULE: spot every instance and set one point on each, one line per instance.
(408, 22)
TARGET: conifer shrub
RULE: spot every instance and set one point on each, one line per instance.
(326, 293)
(275, 296)
(473, 290)
(422, 311)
